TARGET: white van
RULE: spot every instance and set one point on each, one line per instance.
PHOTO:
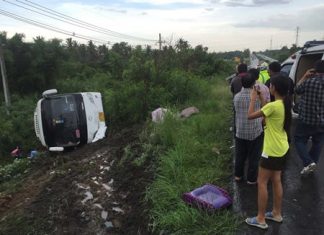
(288, 63)
(67, 120)
(304, 61)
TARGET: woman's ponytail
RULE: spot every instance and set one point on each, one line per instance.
(287, 121)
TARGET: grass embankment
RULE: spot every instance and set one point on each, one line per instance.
(11, 175)
(197, 152)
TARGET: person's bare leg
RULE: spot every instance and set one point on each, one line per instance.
(263, 178)
(277, 193)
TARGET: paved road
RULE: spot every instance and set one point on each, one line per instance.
(303, 202)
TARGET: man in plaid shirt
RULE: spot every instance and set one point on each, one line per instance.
(248, 135)
(311, 117)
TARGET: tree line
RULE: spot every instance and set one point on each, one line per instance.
(132, 80)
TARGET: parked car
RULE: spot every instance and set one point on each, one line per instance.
(68, 120)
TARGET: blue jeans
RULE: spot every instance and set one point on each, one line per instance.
(302, 134)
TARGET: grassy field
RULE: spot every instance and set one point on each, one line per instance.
(197, 152)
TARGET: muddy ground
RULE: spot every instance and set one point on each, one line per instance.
(94, 189)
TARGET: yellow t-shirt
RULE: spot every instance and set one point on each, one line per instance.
(275, 137)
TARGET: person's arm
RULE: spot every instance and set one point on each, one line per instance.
(300, 84)
(263, 101)
(307, 75)
(253, 114)
(231, 86)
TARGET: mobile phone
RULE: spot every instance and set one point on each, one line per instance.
(257, 88)
(311, 72)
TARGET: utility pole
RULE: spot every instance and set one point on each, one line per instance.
(271, 43)
(4, 79)
(297, 35)
(160, 42)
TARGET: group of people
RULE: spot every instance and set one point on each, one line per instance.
(262, 114)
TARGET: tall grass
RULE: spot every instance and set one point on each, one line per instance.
(197, 152)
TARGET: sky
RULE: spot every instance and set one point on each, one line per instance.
(220, 25)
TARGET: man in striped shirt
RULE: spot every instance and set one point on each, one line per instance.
(248, 135)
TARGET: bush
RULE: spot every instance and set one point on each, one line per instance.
(17, 129)
(16, 168)
(183, 86)
(125, 104)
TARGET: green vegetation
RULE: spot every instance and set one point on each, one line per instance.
(11, 175)
(282, 54)
(12, 170)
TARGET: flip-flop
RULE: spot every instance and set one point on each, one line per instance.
(238, 179)
(254, 222)
(269, 216)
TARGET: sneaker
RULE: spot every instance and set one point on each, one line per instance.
(308, 169)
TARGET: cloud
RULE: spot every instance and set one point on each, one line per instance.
(167, 2)
(270, 2)
(253, 3)
(309, 19)
(111, 10)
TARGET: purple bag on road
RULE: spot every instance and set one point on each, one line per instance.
(209, 197)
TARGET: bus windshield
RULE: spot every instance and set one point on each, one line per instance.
(60, 121)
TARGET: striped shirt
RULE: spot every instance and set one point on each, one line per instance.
(246, 129)
(311, 106)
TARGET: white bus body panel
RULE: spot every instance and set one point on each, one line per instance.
(94, 114)
(38, 125)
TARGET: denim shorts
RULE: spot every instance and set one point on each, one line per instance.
(274, 163)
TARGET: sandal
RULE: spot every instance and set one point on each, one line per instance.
(269, 216)
(254, 222)
(238, 179)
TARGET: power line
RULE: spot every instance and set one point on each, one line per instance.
(55, 17)
(83, 23)
(49, 27)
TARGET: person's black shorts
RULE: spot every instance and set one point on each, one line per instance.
(273, 163)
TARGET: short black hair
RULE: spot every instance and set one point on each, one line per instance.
(247, 80)
(319, 66)
(254, 73)
(275, 67)
(242, 68)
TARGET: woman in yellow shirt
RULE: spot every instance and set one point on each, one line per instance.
(277, 116)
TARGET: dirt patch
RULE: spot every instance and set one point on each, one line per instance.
(22, 198)
(85, 191)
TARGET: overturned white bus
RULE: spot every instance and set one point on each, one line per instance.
(67, 120)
